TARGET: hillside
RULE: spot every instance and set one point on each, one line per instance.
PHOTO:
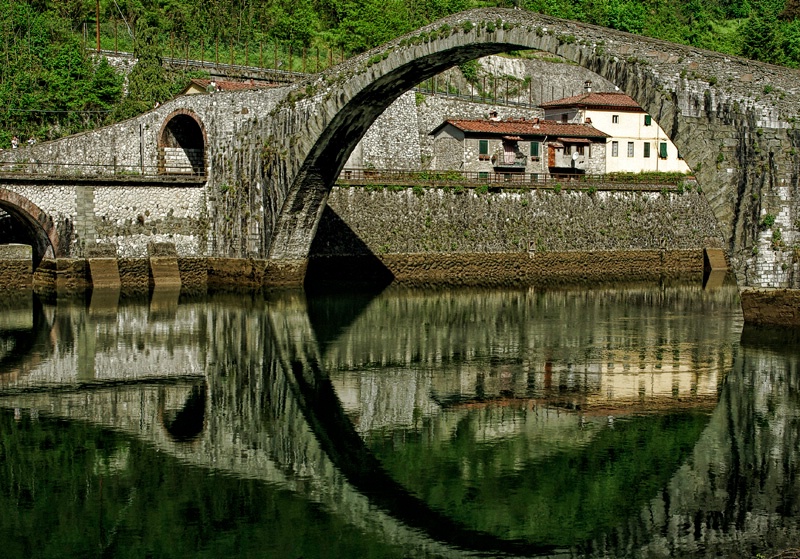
(50, 87)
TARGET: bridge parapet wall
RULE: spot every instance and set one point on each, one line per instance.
(131, 215)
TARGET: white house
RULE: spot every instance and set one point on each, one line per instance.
(636, 143)
(518, 149)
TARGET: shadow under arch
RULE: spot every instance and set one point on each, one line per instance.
(182, 142)
(22, 221)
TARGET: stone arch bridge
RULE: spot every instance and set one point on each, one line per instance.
(248, 173)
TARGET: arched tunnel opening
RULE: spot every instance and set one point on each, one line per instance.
(18, 228)
(182, 146)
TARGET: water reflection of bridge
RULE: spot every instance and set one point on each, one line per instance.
(257, 368)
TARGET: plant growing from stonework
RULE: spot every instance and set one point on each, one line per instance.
(777, 239)
(768, 221)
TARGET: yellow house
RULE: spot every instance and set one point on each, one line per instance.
(636, 143)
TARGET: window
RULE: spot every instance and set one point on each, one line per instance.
(648, 120)
(630, 149)
(662, 150)
(579, 150)
(535, 149)
(647, 149)
(483, 147)
(614, 149)
(564, 118)
(483, 175)
(615, 119)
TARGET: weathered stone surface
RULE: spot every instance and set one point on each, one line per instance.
(194, 272)
(779, 307)
(361, 221)
(134, 274)
(507, 269)
(103, 273)
(16, 267)
(101, 250)
(714, 259)
(164, 271)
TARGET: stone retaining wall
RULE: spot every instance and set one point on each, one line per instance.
(16, 268)
(362, 221)
(779, 307)
(506, 269)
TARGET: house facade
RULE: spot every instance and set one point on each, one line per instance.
(518, 148)
(636, 142)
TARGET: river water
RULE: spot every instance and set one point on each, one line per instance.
(636, 420)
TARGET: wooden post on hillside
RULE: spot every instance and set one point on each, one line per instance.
(261, 54)
(275, 52)
(290, 57)
(304, 60)
(246, 52)
(97, 22)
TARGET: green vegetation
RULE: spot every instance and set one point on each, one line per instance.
(609, 477)
(73, 490)
(50, 87)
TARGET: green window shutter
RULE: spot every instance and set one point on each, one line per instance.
(535, 149)
(647, 149)
(483, 147)
(662, 150)
(648, 120)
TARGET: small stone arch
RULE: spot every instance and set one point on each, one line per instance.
(182, 144)
(22, 221)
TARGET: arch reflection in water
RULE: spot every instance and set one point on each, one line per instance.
(498, 412)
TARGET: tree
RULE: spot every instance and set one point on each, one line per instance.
(762, 40)
(147, 83)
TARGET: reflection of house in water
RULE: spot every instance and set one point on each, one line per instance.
(620, 382)
(518, 149)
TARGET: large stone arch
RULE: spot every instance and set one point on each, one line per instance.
(34, 226)
(741, 147)
(182, 142)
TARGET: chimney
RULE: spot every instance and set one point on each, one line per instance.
(588, 120)
(587, 85)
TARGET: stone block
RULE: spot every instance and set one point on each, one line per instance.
(164, 272)
(714, 259)
(161, 250)
(778, 307)
(101, 250)
(16, 252)
(104, 273)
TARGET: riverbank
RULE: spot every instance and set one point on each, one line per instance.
(65, 276)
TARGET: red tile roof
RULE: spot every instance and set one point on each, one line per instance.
(595, 100)
(522, 127)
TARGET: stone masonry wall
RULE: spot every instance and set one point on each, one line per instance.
(359, 222)
(128, 215)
